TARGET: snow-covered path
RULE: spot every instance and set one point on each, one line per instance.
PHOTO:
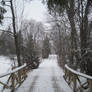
(47, 78)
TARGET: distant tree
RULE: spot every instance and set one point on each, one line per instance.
(30, 51)
(30, 46)
(7, 46)
(46, 48)
(59, 6)
(37, 30)
(21, 45)
(77, 12)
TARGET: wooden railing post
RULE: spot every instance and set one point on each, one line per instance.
(65, 76)
(13, 84)
(74, 82)
(90, 85)
(19, 75)
(24, 71)
(70, 77)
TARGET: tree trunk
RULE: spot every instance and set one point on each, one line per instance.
(70, 12)
(84, 32)
(15, 34)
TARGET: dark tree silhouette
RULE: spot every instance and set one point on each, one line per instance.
(46, 48)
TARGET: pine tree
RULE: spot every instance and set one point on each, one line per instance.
(7, 46)
(31, 53)
(46, 48)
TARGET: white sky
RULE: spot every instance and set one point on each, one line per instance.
(35, 10)
(32, 10)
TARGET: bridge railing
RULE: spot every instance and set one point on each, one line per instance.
(15, 78)
(75, 80)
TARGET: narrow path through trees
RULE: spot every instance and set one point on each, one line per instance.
(47, 78)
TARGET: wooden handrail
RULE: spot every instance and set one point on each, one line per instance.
(13, 71)
(16, 78)
(72, 78)
(78, 73)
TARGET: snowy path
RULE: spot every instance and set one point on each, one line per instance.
(47, 78)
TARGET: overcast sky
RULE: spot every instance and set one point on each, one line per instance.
(35, 10)
(32, 10)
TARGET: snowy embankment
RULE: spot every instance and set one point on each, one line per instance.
(5, 66)
(47, 78)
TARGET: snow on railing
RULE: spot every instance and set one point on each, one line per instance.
(78, 73)
(15, 79)
(12, 71)
(72, 78)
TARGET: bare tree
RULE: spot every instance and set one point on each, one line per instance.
(77, 13)
(15, 33)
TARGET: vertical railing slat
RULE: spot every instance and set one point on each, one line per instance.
(90, 85)
(13, 83)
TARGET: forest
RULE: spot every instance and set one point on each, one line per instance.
(69, 34)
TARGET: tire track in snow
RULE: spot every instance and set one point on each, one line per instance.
(47, 78)
(33, 83)
(55, 85)
(43, 83)
(55, 81)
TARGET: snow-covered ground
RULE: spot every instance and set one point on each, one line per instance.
(47, 78)
(5, 66)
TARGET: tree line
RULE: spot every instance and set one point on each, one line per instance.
(71, 21)
(25, 40)
(70, 34)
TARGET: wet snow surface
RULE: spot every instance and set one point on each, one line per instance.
(5, 66)
(47, 78)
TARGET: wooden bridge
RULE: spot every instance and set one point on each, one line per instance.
(76, 80)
